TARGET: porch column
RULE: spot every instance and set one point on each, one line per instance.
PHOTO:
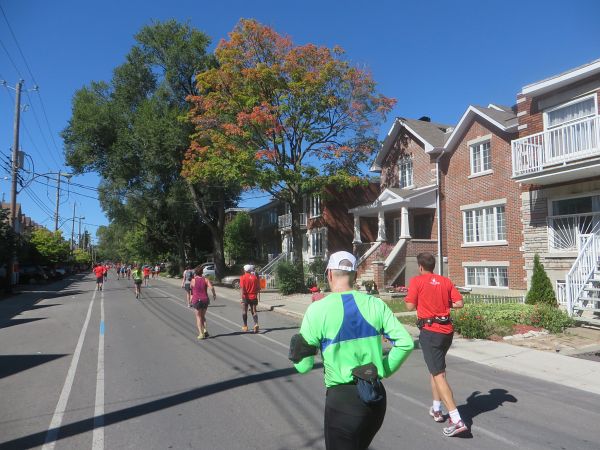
(381, 227)
(404, 225)
(357, 230)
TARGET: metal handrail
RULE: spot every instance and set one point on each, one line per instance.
(582, 270)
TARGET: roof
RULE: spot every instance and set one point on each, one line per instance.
(504, 120)
(562, 79)
(430, 134)
(273, 203)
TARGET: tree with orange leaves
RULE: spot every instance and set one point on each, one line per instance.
(288, 119)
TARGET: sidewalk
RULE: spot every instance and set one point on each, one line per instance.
(544, 365)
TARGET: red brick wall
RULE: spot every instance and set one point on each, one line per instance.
(461, 190)
(423, 167)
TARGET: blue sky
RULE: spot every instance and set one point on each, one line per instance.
(435, 57)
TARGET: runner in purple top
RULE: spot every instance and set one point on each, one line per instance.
(200, 302)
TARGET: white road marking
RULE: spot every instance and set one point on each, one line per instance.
(59, 412)
(98, 433)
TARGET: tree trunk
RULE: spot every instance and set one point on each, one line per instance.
(297, 234)
(216, 225)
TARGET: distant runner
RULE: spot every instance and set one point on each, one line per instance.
(146, 275)
(186, 283)
(249, 287)
(200, 302)
(137, 280)
(99, 272)
(105, 272)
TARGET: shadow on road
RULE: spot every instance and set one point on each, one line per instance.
(11, 364)
(85, 425)
(13, 322)
(478, 403)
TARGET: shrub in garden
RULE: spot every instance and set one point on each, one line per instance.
(541, 287)
(479, 321)
(290, 279)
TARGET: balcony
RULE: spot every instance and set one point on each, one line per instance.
(285, 221)
(565, 153)
(565, 232)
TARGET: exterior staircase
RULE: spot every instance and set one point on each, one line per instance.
(583, 282)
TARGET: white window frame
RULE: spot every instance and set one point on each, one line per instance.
(487, 240)
(486, 267)
(477, 146)
(569, 103)
(318, 236)
(405, 164)
(315, 206)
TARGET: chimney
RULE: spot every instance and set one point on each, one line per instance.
(425, 119)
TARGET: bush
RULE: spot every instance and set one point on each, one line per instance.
(290, 278)
(541, 287)
(479, 321)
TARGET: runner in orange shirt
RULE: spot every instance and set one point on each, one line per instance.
(99, 272)
(146, 275)
(249, 287)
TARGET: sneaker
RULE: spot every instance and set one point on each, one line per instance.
(206, 333)
(200, 336)
(455, 428)
(256, 328)
(245, 328)
(437, 415)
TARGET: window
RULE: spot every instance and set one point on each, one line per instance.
(484, 224)
(571, 218)
(396, 229)
(405, 169)
(315, 206)
(480, 157)
(316, 243)
(487, 276)
(570, 112)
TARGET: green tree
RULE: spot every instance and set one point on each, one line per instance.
(129, 131)
(541, 287)
(287, 119)
(81, 256)
(7, 237)
(50, 245)
(239, 240)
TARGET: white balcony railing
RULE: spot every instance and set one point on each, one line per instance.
(563, 144)
(564, 232)
(285, 221)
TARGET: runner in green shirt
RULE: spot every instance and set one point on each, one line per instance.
(347, 326)
(137, 280)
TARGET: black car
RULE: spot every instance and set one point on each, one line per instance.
(31, 274)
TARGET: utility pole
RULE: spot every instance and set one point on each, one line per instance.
(79, 233)
(15, 158)
(73, 230)
(57, 203)
(11, 277)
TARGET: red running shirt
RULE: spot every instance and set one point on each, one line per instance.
(433, 295)
(99, 271)
(249, 286)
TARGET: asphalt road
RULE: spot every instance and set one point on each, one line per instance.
(83, 369)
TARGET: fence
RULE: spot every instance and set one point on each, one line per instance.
(492, 299)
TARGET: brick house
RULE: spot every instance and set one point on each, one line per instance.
(556, 161)
(406, 221)
(266, 230)
(481, 206)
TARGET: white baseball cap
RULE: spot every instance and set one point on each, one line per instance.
(248, 268)
(338, 257)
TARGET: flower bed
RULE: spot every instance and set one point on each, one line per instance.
(481, 321)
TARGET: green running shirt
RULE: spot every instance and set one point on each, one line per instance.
(347, 328)
(137, 274)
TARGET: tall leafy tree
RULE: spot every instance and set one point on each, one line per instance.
(288, 119)
(50, 245)
(129, 131)
(239, 237)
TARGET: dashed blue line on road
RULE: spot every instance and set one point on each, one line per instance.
(102, 327)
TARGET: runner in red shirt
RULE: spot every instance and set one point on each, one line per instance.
(249, 287)
(146, 275)
(433, 296)
(99, 273)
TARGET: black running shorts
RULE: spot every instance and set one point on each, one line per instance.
(200, 305)
(247, 301)
(435, 346)
(99, 279)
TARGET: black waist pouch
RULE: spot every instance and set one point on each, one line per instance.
(369, 386)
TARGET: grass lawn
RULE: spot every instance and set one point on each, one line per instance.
(408, 320)
(396, 305)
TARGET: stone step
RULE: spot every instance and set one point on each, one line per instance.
(583, 310)
(591, 289)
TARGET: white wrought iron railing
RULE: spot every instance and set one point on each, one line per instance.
(582, 271)
(565, 232)
(562, 144)
(392, 256)
(273, 263)
(285, 221)
(561, 293)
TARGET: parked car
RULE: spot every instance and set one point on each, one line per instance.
(32, 274)
(209, 270)
(61, 271)
(231, 280)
